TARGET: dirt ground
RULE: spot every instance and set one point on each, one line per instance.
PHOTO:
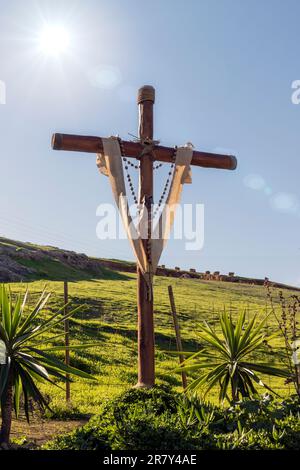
(41, 431)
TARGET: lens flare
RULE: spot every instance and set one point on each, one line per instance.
(105, 77)
(285, 202)
(255, 182)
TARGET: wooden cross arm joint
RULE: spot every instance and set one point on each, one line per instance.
(90, 144)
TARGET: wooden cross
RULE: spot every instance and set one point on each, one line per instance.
(78, 143)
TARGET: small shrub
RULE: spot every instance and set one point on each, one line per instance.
(159, 419)
(137, 419)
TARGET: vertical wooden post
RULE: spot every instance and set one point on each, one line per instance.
(177, 333)
(146, 369)
(67, 341)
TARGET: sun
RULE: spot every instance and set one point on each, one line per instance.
(54, 40)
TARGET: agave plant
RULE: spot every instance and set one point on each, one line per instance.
(24, 361)
(224, 359)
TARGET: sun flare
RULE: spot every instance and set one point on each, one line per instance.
(54, 40)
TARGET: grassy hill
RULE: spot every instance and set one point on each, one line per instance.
(107, 288)
(28, 262)
(21, 261)
(109, 320)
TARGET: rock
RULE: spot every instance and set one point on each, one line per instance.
(11, 270)
(185, 276)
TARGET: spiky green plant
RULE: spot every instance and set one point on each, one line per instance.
(224, 359)
(24, 362)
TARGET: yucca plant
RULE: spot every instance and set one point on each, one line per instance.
(24, 361)
(224, 360)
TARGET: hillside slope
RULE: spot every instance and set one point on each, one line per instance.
(107, 289)
(27, 262)
(21, 261)
(109, 321)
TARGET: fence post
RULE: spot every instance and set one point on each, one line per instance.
(177, 334)
(67, 341)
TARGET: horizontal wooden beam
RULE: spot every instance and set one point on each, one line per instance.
(89, 144)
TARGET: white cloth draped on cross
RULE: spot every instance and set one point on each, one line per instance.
(110, 164)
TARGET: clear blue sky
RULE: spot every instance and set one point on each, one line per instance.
(222, 70)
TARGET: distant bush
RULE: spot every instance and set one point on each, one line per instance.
(159, 419)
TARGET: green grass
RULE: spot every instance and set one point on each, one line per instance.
(51, 269)
(110, 318)
(20, 245)
(54, 270)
